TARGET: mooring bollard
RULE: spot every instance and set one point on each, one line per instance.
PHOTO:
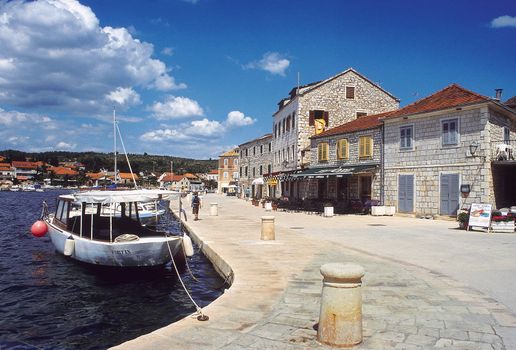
(340, 319)
(268, 228)
(214, 209)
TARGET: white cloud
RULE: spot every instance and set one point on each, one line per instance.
(23, 120)
(124, 96)
(237, 118)
(271, 62)
(54, 54)
(504, 21)
(165, 83)
(205, 127)
(163, 135)
(63, 146)
(176, 107)
(167, 51)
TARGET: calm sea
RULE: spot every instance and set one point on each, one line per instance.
(48, 301)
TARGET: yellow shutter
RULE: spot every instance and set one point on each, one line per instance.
(343, 149)
(365, 146)
(322, 150)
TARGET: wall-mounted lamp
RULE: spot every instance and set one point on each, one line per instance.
(473, 147)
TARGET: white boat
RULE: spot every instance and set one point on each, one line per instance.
(15, 188)
(110, 240)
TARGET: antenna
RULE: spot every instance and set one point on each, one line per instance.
(298, 78)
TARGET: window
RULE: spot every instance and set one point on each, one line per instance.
(269, 168)
(225, 175)
(365, 147)
(293, 120)
(254, 171)
(317, 114)
(322, 152)
(246, 152)
(288, 154)
(450, 132)
(288, 123)
(235, 175)
(225, 162)
(342, 149)
(275, 130)
(506, 135)
(235, 162)
(293, 154)
(254, 150)
(261, 149)
(361, 114)
(406, 137)
(350, 92)
(241, 171)
(246, 170)
(279, 129)
(270, 147)
(261, 170)
(283, 126)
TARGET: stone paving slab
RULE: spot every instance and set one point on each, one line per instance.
(274, 300)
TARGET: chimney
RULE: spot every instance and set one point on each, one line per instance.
(498, 93)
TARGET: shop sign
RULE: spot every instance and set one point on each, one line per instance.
(479, 215)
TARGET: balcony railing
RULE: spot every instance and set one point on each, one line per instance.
(503, 150)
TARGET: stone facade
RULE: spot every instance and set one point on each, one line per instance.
(228, 171)
(353, 183)
(255, 162)
(291, 144)
(429, 158)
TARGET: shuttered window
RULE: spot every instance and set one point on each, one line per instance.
(350, 92)
(318, 114)
(322, 152)
(450, 132)
(342, 149)
(365, 147)
(406, 133)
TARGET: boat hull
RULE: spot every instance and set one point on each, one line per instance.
(144, 252)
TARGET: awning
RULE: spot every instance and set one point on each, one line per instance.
(121, 196)
(319, 173)
(258, 181)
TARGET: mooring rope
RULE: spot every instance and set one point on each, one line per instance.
(200, 315)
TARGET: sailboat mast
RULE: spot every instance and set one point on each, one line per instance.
(114, 140)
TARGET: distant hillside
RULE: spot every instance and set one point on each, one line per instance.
(94, 161)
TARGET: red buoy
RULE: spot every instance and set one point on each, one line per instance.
(39, 228)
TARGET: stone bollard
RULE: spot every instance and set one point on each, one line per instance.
(214, 209)
(328, 212)
(340, 319)
(268, 228)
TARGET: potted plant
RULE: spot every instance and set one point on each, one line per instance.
(501, 223)
(463, 219)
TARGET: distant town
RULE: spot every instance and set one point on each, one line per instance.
(22, 171)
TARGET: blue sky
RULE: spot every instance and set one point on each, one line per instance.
(194, 78)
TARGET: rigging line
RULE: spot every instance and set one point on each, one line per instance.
(126, 157)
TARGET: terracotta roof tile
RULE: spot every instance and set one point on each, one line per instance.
(59, 170)
(128, 176)
(511, 102)
(25, 165)
(362, 123)
(451, 96)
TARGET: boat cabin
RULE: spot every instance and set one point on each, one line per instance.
(98, 221)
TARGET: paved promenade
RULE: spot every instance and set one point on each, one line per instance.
(274, 300)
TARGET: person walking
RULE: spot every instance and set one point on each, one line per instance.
(196, 205)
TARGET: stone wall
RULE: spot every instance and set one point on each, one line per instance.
(429, 158)
(328, 96)
(254, 154)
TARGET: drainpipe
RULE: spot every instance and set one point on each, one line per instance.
(382, 165)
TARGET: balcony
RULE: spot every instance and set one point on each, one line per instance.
(503, 151)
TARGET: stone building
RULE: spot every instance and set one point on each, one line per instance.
(345, 164)
(313, 108)
(255, 162)
(228, 172)
(449, 150)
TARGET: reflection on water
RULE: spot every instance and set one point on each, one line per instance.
(48, 301)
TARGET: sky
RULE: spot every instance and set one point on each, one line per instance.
(194, 78)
